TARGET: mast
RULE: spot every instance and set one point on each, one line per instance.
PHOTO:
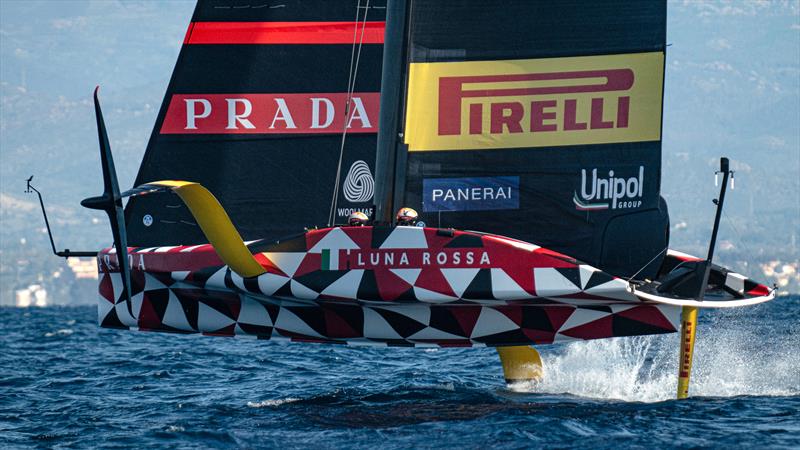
(390, 109)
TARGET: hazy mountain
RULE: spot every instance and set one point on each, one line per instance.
(732, 88)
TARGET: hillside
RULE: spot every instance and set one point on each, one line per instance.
(732, 88)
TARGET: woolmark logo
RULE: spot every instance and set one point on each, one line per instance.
(358, 186)
(611, 192)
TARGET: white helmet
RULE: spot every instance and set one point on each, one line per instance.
(407, 216)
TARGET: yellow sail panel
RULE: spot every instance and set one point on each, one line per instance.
(479, 105)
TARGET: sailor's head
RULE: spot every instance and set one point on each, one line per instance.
(357, 219)
(407, 216)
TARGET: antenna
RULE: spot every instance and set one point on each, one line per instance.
(66, 253)
(689, 313)
(724, 169)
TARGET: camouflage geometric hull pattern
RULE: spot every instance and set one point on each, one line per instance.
(403, 286)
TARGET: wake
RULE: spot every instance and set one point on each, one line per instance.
(731, 359)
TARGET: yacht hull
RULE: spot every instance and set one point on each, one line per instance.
(401, 286)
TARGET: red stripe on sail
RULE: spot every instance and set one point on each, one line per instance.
(188, 33)
(284, 32)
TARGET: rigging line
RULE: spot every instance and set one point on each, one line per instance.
(358, 56)
(738, 235)
(350, 89)
(647, 264)
(331, 216)
(346, 113)
(352, 58)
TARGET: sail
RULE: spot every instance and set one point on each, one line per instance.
(255, 111)
(540, 121)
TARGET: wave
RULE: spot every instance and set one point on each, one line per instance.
(61, 332)
(732, 358)
(274, 402)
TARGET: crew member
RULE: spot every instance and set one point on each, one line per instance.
(407, 216)
(357, 219)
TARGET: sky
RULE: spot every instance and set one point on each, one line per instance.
(732, 88)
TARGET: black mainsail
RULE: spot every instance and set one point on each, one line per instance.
(255, 111)
(540, 121)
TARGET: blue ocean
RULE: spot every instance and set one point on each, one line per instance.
(66, 383)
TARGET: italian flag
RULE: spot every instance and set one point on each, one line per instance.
(330, 259)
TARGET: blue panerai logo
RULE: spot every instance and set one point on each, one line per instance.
(470, 194)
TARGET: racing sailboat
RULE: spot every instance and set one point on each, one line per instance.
(537, 124)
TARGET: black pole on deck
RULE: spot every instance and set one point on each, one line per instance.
(66, 253)
(724, 168)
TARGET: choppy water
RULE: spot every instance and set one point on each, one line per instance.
(66, 383)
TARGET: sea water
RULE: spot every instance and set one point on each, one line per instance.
(65, 383)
